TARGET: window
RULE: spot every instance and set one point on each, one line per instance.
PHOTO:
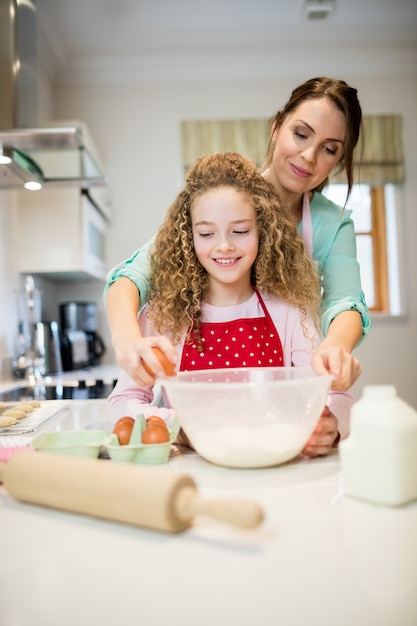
(374, 215)
(379, 165)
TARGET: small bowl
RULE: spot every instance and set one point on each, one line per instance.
(143, 453)
(248, 417)
(80, 443)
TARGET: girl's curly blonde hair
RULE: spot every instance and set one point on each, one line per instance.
(178, 281)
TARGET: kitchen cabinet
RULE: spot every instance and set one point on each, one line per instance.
(62, 232)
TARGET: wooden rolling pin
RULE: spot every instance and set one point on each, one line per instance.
(153, 497)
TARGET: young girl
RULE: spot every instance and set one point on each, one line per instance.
(315, 132)
(231, 285)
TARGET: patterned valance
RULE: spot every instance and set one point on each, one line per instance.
(379, 155)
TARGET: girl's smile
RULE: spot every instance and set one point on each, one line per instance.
(227, 261)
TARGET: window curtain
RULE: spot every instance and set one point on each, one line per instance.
(378, 158)
(249, 137)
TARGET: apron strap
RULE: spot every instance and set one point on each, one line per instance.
(307, 226)
(265, 310)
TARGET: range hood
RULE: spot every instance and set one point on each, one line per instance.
(60, 152)
(63, 153)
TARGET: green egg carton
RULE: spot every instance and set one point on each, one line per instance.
(79, 443)
(143, 453)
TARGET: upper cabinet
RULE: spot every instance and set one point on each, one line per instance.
(62, 232)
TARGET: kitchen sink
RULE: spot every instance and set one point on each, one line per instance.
(80, 390)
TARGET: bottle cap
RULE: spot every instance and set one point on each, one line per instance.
(379, 391)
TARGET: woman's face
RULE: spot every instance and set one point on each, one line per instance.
(308, 145)
(225, 234)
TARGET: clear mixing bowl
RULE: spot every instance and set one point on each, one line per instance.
(248, 417)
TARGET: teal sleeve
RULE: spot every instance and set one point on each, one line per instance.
(137, 269)
(347, 304)
(334, 249)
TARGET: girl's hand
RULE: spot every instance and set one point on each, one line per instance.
(338, 362)
(131, 350)
(324, 436)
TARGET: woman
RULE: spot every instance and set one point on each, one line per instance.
(314, 133)
(231, 285)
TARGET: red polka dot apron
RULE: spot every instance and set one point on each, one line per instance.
(249, 342)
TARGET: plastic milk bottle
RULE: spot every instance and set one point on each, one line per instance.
(379, 457)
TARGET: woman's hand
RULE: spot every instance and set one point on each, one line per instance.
(324, 436)
(334, 354)
(338, 362)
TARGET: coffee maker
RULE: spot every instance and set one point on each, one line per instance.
(79, 319)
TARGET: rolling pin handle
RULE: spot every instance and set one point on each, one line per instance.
(243, 513)
(2, 469)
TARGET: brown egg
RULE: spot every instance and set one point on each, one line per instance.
(155, 419)
(126, 418)
(155, 433)
(123, 429)
(167, 365)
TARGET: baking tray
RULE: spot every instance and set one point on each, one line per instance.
(35, 420)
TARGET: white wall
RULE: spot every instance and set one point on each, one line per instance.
(136, 127)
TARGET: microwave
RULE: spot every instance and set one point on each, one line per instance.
(70, 228)
(95, 237)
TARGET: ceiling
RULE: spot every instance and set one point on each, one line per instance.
(104, 35)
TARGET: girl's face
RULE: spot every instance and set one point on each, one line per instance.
(308, 145)
(225, 235)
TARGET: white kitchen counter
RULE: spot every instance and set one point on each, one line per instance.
(319, 558)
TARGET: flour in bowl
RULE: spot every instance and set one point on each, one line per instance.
(248, 447)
